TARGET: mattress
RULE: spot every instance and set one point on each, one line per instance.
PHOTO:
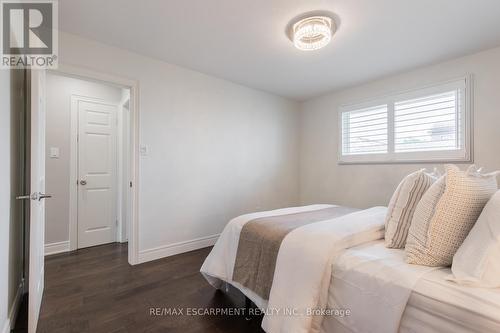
(438, 305)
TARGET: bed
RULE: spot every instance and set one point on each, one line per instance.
(435, 304)
(297, 258)
(334, 258)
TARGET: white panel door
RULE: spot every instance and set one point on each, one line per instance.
(97, 127)
(37, 196)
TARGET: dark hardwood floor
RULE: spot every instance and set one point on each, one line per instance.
(95, 290)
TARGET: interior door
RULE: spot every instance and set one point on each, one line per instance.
(97, 164)
(37, 196)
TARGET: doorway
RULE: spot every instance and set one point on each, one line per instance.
(88, 134)
(129, 151)
(30, 127)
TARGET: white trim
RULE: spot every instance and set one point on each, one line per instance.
(133, 85)
(123, 152)
(463, 155)
(119, 172)
(57, 247)
(73, 176)
(13, 311)
(177, 248)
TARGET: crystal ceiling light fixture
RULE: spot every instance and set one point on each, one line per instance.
(312, 32)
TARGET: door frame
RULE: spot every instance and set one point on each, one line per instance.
(133, 86)
(74, 171)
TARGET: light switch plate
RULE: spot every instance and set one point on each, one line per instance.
(54, 152)
(144, 150)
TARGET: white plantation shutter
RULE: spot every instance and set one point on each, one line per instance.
(426, 125)
(365, 131)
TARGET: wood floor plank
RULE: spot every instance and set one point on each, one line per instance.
(96, 290)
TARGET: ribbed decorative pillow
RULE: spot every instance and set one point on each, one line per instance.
(477, 261)
(437, 231)
(402, 207)
(418, 232)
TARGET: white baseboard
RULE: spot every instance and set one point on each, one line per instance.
(176, 248)
(54, 248)
(13, 311)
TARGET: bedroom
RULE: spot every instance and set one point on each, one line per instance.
(229, 117)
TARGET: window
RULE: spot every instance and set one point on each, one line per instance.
(426, 125)
(365, 131)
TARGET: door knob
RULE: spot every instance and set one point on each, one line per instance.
(43, 196)
(35, 196)
(83, 182)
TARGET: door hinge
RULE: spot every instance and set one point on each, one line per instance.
(130, 184)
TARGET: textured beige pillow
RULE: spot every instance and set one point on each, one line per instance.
(418, 232)
(442, 222)
(402, 207)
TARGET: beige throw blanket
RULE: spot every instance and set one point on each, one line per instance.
(260, 241)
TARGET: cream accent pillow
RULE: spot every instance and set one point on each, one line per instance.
(402, 207)
(437, 231)
(477, 261)
(418, 232)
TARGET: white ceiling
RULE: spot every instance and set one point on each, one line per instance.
(244, 41)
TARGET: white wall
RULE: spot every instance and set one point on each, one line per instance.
(58, 132)
(217, 149)
(323, 180)
(11, 83)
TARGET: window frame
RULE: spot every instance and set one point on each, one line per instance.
(462, 155)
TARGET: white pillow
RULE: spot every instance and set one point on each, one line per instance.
(402, 207)
(437, 231)
(477, 261)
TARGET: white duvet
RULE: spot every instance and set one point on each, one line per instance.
(219, 265)
(303, 267)
(374, 283)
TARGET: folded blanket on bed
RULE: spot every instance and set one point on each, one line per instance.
(219, 265)
(303, 264)
(260, 240)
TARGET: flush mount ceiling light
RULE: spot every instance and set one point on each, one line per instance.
(312, 32)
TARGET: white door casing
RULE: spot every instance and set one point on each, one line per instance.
(133, 163)
(97, 164)
(123, 185)
(37, 203)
